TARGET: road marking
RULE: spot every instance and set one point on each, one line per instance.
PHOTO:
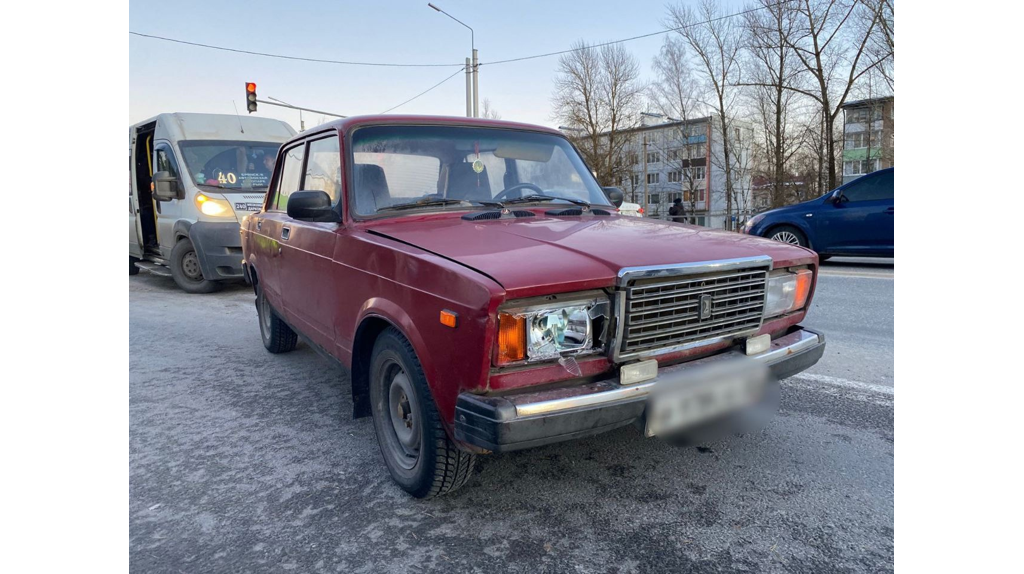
(835, 273)
(870, 392)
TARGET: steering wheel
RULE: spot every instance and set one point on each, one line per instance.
(503, 194)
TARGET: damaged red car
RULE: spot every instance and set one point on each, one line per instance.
(478, 286)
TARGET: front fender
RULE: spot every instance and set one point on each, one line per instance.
(393, 313)
(798, 222)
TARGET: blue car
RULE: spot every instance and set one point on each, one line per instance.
(853, 220)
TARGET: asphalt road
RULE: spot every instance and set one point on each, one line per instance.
(246, 462)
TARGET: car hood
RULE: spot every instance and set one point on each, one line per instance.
(546, 255)
(803, 206)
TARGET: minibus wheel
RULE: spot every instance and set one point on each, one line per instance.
(186, 271)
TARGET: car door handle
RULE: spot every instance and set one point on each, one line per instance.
(285, 232)
(259, 224)
(889, 211)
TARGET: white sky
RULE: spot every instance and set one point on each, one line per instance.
(165, 77)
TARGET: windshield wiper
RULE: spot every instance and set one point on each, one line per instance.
(438, 203)
(545, 197)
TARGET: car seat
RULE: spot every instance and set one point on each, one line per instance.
(464, 183)
(371, 189)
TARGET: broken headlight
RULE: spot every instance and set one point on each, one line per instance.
(551, 330)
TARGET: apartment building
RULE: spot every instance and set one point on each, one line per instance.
(683, 159)
(868, 143)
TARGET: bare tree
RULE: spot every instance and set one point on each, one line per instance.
(833, 52)
(773, 68)
(489, 112)
(598, 94)
(675, 94)
(715, 41)
(882, 44)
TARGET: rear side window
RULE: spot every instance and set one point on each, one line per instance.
(291, 175)
(323, 169)
(873, 187)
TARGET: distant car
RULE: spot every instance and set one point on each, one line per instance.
(855, 219)
(631, 209)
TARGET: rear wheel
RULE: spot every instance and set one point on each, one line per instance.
(277, 336)
(416, 448)
(788, 234)
(132, 269)
(186, 271)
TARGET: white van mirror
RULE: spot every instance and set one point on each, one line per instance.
(166, 186)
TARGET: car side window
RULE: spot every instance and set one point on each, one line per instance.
(165, 159)
(291, 176)
(872, 187)
(323, 168)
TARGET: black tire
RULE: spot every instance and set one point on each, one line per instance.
(132, 269)
(787, 234)
(186, 272)
(277, 336)
(427, 463)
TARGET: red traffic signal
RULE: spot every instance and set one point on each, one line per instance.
(250, 96)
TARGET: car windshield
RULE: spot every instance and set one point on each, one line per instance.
(410, 168)
(230, 164)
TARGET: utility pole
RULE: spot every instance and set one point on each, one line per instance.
(469, 89)
(472, 70)
(645, 174)
(476, 86)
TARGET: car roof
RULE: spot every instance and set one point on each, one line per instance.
(346, 125)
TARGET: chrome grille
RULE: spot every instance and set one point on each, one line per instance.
(664, 310)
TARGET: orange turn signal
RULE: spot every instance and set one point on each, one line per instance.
(803, 288)
(449, 318)
(511, 338)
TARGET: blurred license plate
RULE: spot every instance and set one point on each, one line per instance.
(705, 395)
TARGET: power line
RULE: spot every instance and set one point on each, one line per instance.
(284, 57)
(640, 37)
(425, 91)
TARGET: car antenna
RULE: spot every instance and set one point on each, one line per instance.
(238, 116)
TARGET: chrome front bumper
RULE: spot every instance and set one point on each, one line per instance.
(524, 420)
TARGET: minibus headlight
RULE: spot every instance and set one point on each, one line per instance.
(212, 206)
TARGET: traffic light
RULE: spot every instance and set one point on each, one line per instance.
(250, 96)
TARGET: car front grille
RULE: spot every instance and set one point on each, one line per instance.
(666, 311)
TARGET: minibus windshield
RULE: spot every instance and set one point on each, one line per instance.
(230, 164)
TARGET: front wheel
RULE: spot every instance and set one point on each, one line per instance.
(788, 234)
(416, 448)
(186, 271)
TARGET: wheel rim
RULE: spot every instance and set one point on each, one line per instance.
(403, 412)
(190, 267)
(786, 237)
(264, 316)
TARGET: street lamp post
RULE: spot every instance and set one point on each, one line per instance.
(472, 68)
(302, 123)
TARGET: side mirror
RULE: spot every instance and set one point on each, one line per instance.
(837, 197)
(166, 186)
(312, 205)
(614, 195)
